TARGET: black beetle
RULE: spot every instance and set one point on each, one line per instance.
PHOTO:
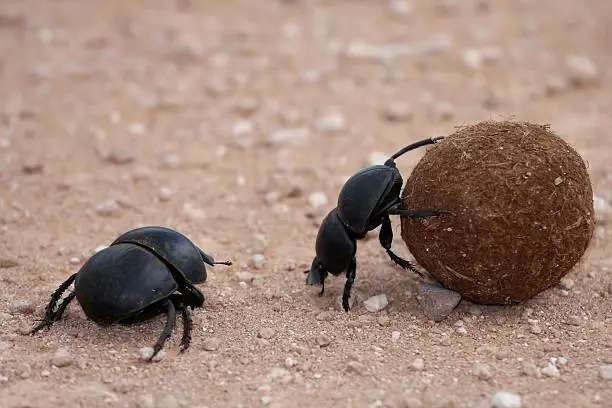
(365, 202)
(145, 272)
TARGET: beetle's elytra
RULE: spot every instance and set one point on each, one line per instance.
(365, 202)
(145, 272)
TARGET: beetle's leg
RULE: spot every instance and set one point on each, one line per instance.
(187, 327)
(351, 271)
(56, 306)
(386, 238)
(192, 296)
(170, 323)
(399, 209)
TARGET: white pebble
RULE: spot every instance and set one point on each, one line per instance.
(317, 199)
(605, 372)
(330, 123)
(582, 70)
(62, 358)
(266, 400)
(257, 261)
(165, 193)
(602, 209)
(74, 260)
(551, 371)
(418, 364)
(108, 208)
(137, 129)
(244, 276)
(295, 136)
(504, 399)
(376, 303)
(395, 335)
(290, 362)
(400, 7)
(242, 127)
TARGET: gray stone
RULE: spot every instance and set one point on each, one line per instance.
(437, 302)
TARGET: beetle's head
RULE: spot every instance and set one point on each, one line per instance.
(317, 273)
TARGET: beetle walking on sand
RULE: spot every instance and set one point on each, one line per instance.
(144, 273)
(365, 202)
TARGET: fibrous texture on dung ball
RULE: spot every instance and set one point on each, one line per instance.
(522, 211)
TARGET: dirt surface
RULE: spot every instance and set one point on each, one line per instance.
(221, 119)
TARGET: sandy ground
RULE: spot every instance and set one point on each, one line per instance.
(221, 119)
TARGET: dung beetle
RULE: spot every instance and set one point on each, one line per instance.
(144, 273)
(365, 202)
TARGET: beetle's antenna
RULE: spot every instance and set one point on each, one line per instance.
(429, 140)
(228, 263)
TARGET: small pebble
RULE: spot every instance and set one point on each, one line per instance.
(74, 260)
(242, 128)
(211, 344)
(108, 207)
(418, 364)
(323, 340)
(582, 71)
(266, 400)
(531, 370)
(502, 399)
(397, 112)
(602, 209)
(437, 302)
(119, 156)
(376, 303)
(535, 329)
(295, 136)
(165, 193)
(395, 335)
(172, 160)
(461, 330)
(257, 260)
(145, 353)
(355, 367)
(605, 372)
(566, 283)
(324, 316)
(62, 358)
(317, 199)
(551, 371)
(482, 371)
(330, 123)
(244, 276)
(266, 333)
(137, 129)
(24, 307)
(400, 7)
(290, 362)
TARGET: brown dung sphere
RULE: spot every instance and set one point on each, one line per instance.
(522, 211)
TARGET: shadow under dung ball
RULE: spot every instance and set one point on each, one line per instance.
(522, 206)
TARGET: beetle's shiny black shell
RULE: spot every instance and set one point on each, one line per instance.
(367, 193)
(120, 281)
(334, 248)
(172, 246)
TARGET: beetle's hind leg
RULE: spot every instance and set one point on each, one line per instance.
(57, 305)
(168, 328)
(386, 238)
(187, 322)
(351, 272)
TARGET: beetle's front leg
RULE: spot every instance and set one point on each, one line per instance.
(399, 209)
(386, 238)
(351, 272)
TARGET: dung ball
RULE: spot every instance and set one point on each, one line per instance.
(521, 205)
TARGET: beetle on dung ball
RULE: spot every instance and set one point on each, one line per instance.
(365, 202)
(144, 273)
